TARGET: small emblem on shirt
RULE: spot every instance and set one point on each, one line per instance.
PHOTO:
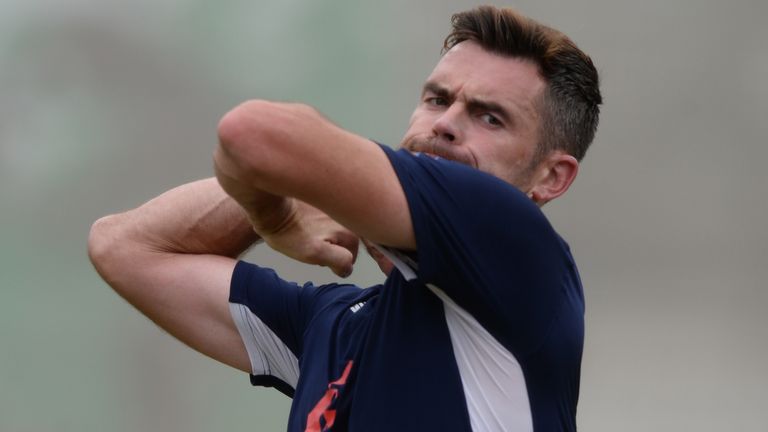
(357, 306)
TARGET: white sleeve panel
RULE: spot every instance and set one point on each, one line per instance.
(407, 270)
(268, 354)
(493, 381)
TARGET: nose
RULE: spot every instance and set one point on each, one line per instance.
(447, 126)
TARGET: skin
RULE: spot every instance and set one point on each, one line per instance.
(172, 258)
(480, 109)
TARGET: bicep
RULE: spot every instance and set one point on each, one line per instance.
(291, 150)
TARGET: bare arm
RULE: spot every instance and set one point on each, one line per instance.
(172, 258)
(289, 151)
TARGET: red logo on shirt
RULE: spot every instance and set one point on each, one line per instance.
(322, 416)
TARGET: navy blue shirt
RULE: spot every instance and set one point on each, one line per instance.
(481, 328)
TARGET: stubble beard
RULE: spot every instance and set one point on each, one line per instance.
(429, 144)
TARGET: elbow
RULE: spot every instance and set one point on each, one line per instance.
(246, 127)
(102, 245)
(257, 133)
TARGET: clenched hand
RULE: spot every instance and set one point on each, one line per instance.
(308, 235)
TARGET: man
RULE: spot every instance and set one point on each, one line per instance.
(479, 328)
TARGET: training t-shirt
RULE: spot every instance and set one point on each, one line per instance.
(480, 329)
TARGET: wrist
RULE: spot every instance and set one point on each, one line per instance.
(272, 217)
(266, 212)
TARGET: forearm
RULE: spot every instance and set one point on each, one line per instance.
(291, 150)
(255, 162)
(172, 259)
(195, 218)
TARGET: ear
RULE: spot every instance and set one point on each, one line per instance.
(553, 177)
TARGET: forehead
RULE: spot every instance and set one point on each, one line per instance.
(470, 70)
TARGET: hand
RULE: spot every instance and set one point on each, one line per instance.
(310, 236)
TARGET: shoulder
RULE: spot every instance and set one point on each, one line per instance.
(427, 171)
(436, 187)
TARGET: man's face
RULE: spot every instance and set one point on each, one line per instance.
(479, 108)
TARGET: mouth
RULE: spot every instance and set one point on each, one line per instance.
(430, 147)
(465, 158)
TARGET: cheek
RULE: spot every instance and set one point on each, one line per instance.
(506, 154)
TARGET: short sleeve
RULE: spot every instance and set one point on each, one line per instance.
(272, 316)
(485, 244)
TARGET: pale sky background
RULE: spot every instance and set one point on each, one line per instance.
(106, 104)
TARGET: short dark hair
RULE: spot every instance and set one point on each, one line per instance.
(569, 106)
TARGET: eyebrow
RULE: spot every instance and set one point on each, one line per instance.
(437, 89)
(473, 104)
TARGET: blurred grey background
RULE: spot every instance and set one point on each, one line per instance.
(105, 104)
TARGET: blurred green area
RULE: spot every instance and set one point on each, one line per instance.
(103, 106)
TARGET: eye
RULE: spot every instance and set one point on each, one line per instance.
(491, 119)
(436, 101)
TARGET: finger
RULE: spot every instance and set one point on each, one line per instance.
(338, 258)
(372, 251)
(352, 244)
(345, 263)
(366, 242)
(349, 241)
